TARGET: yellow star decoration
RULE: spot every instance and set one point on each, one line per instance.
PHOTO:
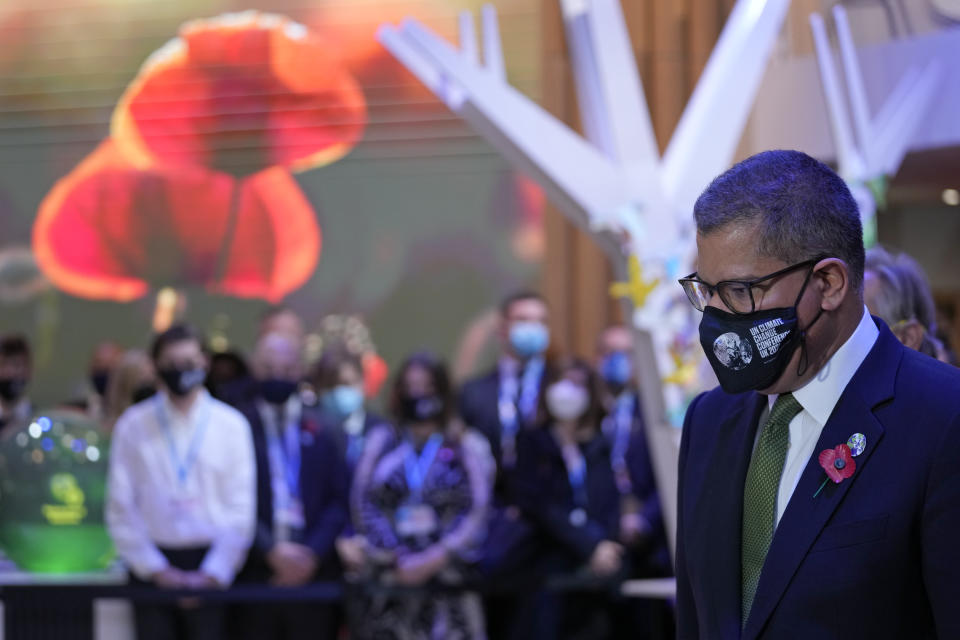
(635, 288)
(684, 372)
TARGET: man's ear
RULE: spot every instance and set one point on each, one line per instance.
(910, 334)
(832, 277)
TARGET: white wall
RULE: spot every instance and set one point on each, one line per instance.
(790, 112)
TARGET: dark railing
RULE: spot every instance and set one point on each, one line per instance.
(62, 609)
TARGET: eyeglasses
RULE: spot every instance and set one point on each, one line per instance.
(737, 295)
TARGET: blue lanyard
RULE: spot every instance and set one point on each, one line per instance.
(354, 449)
(519, 392)
(623, 424)
(289, 443)
(354, 428)
(183, 465)
(577, 477)
(416, 468)
(530, 388)
(507, 406)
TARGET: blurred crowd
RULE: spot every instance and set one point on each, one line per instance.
(461, 503)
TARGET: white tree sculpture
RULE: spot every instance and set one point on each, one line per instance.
(614, 182)
(872, 149)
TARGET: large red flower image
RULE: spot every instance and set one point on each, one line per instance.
(109, 230)
(193, 188)
(240, 93)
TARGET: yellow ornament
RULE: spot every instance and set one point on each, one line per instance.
(635, 288)
(683, 374)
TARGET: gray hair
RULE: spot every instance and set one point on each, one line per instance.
(801, 209)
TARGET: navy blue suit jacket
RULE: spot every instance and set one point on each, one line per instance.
(478, 405)
(324, 490)
(876, 556)
(544, 493)
(640, 467)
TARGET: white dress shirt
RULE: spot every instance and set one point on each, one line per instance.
(818, 398)
(148, 506)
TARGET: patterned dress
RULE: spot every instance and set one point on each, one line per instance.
(456, 487)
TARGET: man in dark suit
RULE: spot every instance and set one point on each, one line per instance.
(302, 497)
(819, 492)
(641, 520)
(500, 405)
(505, 399)
(641, 528)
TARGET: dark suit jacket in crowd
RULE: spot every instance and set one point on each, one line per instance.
(656, 556)
(876, 556)
(334, 427)
(479, 407)
(479, 400)
(544, 493)
(324, 489)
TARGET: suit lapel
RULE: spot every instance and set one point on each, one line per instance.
(492, 393)
(264, 493)
(805, 515)
(717, 547)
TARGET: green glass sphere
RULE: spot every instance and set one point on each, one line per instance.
(53, 476)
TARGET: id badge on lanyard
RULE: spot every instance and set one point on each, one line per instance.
(509, 420)
(622, 426)
(182, 465)
(414, 518)
(183, 503)
(577, 476)
(285, 460)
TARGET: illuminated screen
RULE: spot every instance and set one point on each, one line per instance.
(256, 159)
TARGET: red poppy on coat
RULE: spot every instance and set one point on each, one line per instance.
(838, 463)
(311, 426)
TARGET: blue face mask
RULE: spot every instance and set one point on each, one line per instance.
(529, 339)
(616, 368)
(343, 400)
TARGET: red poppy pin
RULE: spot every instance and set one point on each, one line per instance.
(838, 463)
(311, 426)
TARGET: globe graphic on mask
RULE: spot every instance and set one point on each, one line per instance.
(732, 351)
(53, 474)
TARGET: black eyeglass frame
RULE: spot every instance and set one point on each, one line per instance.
(688, 282)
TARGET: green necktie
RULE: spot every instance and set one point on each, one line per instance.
(760, 496)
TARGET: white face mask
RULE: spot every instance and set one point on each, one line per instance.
(567, 400)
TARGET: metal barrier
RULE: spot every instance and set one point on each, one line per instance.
(51, 608)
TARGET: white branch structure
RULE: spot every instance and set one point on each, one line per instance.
(872, 148)
(613, 182)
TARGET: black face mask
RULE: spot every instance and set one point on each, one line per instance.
(12, 389)
(179, 381)
(143, 392)
(277, 390)
(425, 408)
(99, 381)
(751, 351)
